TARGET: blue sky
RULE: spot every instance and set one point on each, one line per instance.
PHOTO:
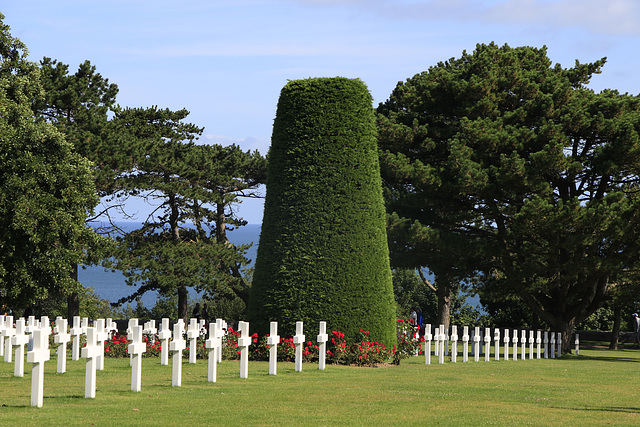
(226, 61)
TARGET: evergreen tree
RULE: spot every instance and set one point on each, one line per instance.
(323, 253)
(514, 159)
(46, 190)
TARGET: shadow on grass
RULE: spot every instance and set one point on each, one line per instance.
(606, 409)
(605, 356)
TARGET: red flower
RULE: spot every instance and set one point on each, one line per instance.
(106, 348)
(401, 320)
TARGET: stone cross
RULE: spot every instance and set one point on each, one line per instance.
(322, 347)
(3, 318)
(436, 340)
(193, 332)
(38, 355)
(538, 342)
(76, 332)
(222, 328)
(441, 336)
(298, 341)
(546, 344)
(559, 343)
(476, 344)
(553, 345)
(132, 323)
(244, 342)
(465, 344)
(136, 348)
(61, 338)
(487, 344)
(90, 352)
(272, 341)
(164, 336)
(427, 344)
(531, 341)
(8, 332)
(101, 336)
(150, 328)
(111, 327)
(45, 325)
(577, 343)
(523, 345)
(178, 344)
(213, 343)
(32, 325)
(19, 340)
(514, 341)
(454, 343)
(506, 344)
(84, 324)
(496, 341)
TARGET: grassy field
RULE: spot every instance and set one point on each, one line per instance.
(598, 387)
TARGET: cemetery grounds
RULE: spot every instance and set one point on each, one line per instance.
(596, 387)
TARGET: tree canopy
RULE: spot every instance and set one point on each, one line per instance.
(529, 177)
(46, 189)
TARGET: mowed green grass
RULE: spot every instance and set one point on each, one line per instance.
(598, 387)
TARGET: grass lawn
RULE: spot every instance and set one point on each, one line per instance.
(597, 387)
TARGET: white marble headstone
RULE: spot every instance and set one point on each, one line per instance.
(322, 345)
(427, 344)
(298, 341)
(19, 341)
(38, 355)
(8, 332)
(90, 352)
(244, 342)
(213, 343)
(178, 345)
(76, 332)
(272, 341)
(61, 337)
(136, 349)
(193, 332)
(164, 335)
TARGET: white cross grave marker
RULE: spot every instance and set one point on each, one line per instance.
(164, 336)
(514, 341)
(222, 328)
(538, 342)
(577, 343)
(132, 324)
(523, 345)
(45, 325)
(322, 348)
(476, 344)
(178, 344)
(465, 344)
(546, 344)
(531, 341)
(101, 336)
(559, 342)
(506, 344)
(3, 319)
(19, 340)
(436, 340)
(193, 332)
(90, 352)
(272, 341)
(38, 355)
(427, 344)
(136, 348)
(244, 342)
(454, 343)
(487, 344)
(213, 343)
(553, 345)
(496, 341)
(61, 338)
(111, 327)
(32, 325)
(76, 331)
(8, 332)
(298, 341)
(441, 337)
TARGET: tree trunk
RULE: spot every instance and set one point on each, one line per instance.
(565, 327)
(617, 320)
(182, 304)
(443, 291)
(73, 300)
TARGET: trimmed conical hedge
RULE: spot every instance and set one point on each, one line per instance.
(323, 251)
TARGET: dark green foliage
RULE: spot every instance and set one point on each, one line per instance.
(513, 160)
(46, 190)
(323, 253)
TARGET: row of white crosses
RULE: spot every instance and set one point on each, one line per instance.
(551, 341)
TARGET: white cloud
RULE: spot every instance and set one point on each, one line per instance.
(246, 143)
